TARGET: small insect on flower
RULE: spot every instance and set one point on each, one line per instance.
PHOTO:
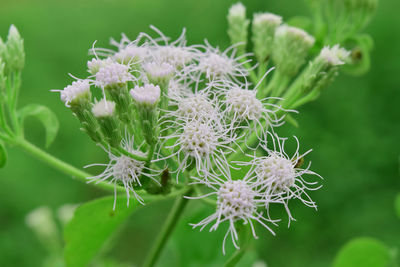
(237, 200)
(124, 170)
(281, 176)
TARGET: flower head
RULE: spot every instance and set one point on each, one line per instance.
(112, 74)
(147, 94)
(131, 54)
(282, 177)
(237, 200)
(156, 70)
(334, 55)
(103, 108)
(78, 89)
(124, 170)
(96, 64)
(201, 142)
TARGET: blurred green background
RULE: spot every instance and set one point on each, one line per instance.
(353, 129)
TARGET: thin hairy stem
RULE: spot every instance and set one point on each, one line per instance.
(60, 165)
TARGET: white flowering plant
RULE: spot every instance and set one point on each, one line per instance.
(193, 122)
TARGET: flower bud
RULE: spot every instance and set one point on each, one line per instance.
(104, 112)
(146, 99)
(365, 7)
(264, 26)
(334, 56)
(319, 73)
(96, 64)
(237, 25)
(291, 46)
(146, 95)
(114, 78)
(159, 74)
(77, 94)
(15, 55)
(112, 74)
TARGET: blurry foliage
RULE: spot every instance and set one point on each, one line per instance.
(363, 252)
(353, 128)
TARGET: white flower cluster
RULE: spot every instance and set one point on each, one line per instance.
(208, 116)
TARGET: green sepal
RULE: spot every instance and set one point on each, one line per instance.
(46, 117)
(3, 155)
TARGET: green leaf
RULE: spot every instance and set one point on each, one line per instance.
(3, 155)
(92, 225)
(46, 116)
(363, 251)
(397, 205)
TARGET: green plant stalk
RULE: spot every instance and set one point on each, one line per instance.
(61, 165)
(13, 92)
(167, 229)
(244, 239)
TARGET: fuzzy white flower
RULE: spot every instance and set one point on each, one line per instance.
(96, 64)
(237, 10)
(175, 53)
(281, 175)
(334, 55)
(75, 90)
(147, 94)
(195, 107)
(131, 54)
(220, 64)
(113, 74)
(242, 108)
(215, 64)
(124, 170)
(237, 200)
(177, 90)
(156, 70)
(267, 18)
(294, 32)
(200, 142)
(103, 108)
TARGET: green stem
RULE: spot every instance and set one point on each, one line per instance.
(167, 229)
(244, 239)
(59, 164)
